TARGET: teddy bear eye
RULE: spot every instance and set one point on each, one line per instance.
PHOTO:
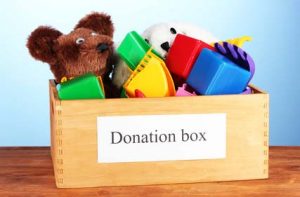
(173, 30)
(80, 40)
(94, 34)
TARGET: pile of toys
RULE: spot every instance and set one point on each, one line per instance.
(169, 59)
(193, 66)
(150, 76)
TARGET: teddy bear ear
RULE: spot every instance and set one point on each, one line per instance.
(41, 42)
(98, 22)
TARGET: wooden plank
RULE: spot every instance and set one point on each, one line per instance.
(28, 172)
(75, 146)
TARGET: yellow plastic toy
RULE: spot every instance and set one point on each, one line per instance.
(237, 41)
(151, 77)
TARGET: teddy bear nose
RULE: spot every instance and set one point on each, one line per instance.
(165, 46)
(102, 47)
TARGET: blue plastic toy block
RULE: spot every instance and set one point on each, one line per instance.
(214, 74)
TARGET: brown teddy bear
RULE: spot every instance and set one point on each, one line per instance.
(87, 49)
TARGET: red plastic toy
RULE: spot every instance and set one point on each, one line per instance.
(183, 54)
(139, 94)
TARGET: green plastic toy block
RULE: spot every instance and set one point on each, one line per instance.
(84, 87)
(123, 93)
(133, 49)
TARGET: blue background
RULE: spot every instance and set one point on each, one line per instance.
(24, 116)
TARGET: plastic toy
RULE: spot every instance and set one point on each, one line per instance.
(151, 77)
(133, 49)
(237, 55)
(239, 41)
(214, 74)
(139, 94)
(248, 90)
(183, 55)
(87, 86)
(86, 49)
(162, 35)
(183, 91)
(123, 93)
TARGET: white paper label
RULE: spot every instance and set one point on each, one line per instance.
(145, 138)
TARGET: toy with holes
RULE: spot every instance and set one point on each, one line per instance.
(151, 78)
(226, 72)
(183, 54)
(87, 86)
